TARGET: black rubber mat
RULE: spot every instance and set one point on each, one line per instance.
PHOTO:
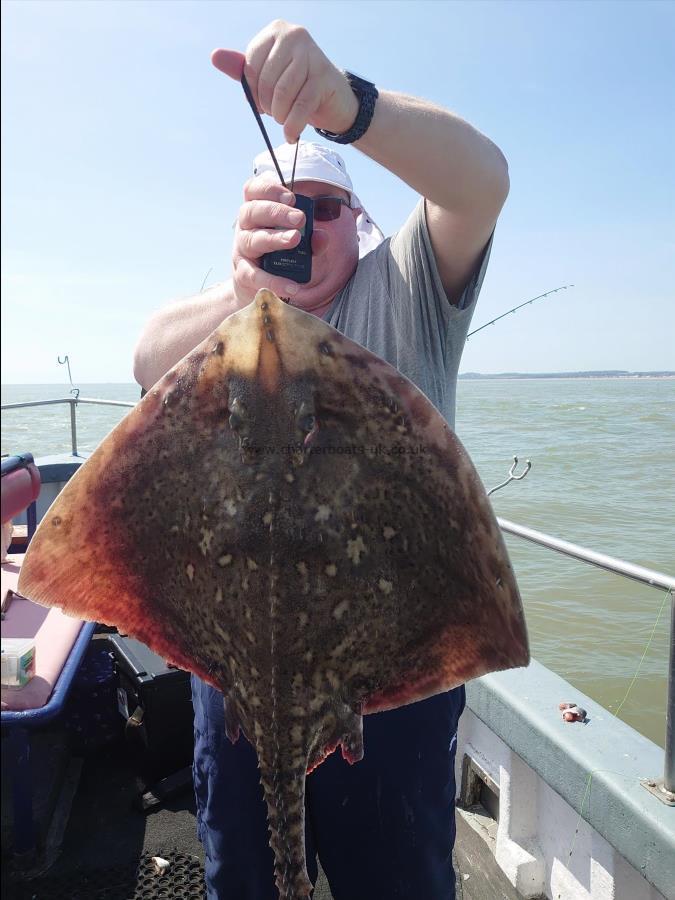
(183, 880)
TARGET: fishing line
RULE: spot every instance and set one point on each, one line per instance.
(667, 596)
(642, 659)
(581, 809)
(201, 289)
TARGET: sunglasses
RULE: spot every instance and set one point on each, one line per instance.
(326, 209)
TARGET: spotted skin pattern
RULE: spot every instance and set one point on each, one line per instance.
(288, 517)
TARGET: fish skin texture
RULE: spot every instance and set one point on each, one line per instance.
(288, 517)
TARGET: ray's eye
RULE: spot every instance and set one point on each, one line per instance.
(307, 422)
(237, 414)
(305, 418)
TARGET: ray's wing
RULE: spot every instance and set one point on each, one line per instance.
(142, 535)
(388, 548)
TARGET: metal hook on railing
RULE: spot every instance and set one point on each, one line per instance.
(66, 362)
(512, 475)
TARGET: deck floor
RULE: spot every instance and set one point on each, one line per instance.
(103, 831)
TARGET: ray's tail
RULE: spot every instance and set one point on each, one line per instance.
(282, 775)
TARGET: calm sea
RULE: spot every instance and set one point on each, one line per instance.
(603, 475)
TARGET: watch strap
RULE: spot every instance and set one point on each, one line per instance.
(367, 95)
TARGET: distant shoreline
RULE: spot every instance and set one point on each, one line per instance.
(464, 376)
(521, 376)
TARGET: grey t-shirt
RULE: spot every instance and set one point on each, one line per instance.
(396, 307)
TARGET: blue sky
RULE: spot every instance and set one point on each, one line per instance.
(124, 152)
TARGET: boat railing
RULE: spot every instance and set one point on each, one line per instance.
(664, 789)
(73, 401)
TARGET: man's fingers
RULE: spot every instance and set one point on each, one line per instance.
(261, 187)
(303, 108)
(230, 62)
(267, 214)
(256, 54)
(253, 244)
(273, 67)
(250, 278)
(288, 86)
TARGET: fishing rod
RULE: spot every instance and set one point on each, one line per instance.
(520, 306)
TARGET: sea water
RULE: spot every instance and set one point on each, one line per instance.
(603, 476)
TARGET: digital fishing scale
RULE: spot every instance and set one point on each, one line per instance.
(296, 263)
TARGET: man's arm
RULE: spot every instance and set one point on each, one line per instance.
(175, 330)
(461, 174)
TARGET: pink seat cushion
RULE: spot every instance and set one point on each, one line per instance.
(54, 633)
(19, 489)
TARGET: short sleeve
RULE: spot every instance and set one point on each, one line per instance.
(415, 271)
(396, 306)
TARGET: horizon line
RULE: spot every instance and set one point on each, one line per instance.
(578, 372)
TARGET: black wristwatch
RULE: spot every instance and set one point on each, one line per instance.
(366, 93)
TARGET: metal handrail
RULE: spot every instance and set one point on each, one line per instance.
(610, 563)
(73, 401)
(645, 576)
(95, 400)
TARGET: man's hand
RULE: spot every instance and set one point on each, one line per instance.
(267, 222)
(292, 80)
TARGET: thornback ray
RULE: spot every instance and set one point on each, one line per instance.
(288, 517)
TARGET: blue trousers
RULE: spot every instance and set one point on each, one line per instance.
(382, 828)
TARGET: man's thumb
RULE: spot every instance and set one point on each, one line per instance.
(231, 62)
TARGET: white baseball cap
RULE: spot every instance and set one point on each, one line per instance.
(315, 162)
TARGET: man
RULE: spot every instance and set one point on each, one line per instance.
(383, 828)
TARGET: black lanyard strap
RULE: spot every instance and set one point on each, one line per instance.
(249, 97)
